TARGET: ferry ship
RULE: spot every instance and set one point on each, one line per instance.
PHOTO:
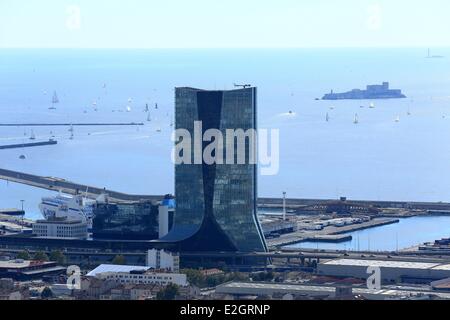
(66, 206)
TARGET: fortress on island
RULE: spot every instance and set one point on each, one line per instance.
(372, 92)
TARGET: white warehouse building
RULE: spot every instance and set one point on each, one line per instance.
(137, 275)
(391, 271)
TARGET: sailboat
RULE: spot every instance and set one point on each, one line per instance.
(327, 117)
(356, 121)
(149, 118)
(128, 109)
(397, 119)
(71, 128)
(32, 136)
(146, 108)
(372, 105)
(55, 100)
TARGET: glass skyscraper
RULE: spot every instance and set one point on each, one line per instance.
(126, 221)
(216, 203)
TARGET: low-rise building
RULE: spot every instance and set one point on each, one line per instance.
(61, 228)
(160, 259)
(25, 269)
(137, 275)
(391, 271)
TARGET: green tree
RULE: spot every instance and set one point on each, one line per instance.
(57, 256)
(195, 277)
(119, 259)
(40, 256)
(47, 293)
(170, 292)
(25, 255)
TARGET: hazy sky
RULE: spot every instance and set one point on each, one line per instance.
(224, 23)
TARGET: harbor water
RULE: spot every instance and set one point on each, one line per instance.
(408, 233)
(377, 159)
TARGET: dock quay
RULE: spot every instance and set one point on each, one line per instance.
(336, 238)
(60, 184)
(328, 234)
(71, 124)
(320, 204)
(29, 145)
(68, 187)
(370, 224)
(12, 212)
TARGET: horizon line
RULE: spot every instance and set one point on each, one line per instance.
(224, 48)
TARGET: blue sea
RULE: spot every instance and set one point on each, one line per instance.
(376, 159)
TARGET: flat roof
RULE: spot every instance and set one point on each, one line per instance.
(18, 264)
(105, 268)
(383, 264)
(249, 288)
(444, 267)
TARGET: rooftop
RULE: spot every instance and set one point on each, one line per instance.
(260, 288)
(385, 264)
(20, 264)
(104, 268)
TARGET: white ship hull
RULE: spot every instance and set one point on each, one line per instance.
(64, 206)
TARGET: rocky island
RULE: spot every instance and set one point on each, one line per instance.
(372, 92)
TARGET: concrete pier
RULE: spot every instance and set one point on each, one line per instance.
(329, 234)
(29, 145)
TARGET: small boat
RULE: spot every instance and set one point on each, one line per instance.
(156, 106)
(22, 157)
(55, 100)
(397, 119)
(372, 105)
(327, 117)
(128, 109)
(332, 108)
(149, 118)
(32, 136)
(356, 121)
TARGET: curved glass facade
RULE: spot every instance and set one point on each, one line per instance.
(216, 203)
(125, 221)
